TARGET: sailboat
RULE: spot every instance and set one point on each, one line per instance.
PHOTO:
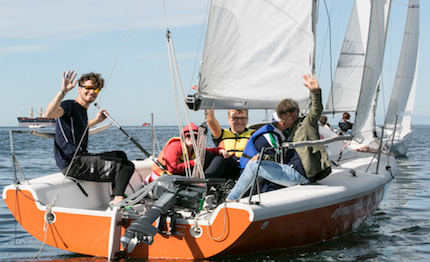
(398, 120)
(359, 70)
(165, 219)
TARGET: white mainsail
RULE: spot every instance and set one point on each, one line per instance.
(256, 52)
(403, 93)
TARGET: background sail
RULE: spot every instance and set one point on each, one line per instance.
(364, 129)
(403, 94)
(359, 68)
(347, 80)
(256, 53)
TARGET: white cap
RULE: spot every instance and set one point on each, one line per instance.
(275, 117)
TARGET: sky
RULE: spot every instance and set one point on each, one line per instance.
(125, 41)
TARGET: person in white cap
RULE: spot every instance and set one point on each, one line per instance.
(178, 155)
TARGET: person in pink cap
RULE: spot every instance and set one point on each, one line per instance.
(176, 156)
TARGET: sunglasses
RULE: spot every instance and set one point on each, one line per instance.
(189, 135)
(235, 119)
(290, 110)
(96, 89)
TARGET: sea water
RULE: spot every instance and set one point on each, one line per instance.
(399, 230)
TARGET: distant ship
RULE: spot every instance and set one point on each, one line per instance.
(36, 121)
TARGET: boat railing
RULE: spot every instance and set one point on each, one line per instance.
(317, 142)
(390, 139)
(16, 165)
(291, 145)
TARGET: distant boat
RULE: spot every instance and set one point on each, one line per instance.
(30, 121)
(37, 126)
(146, 124)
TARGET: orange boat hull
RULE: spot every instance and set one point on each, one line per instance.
(231, 231)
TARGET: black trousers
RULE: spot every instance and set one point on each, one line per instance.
(104, 167)
(219, 167)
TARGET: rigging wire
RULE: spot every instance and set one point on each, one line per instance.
(54, 199)
(48, 210)
(124, 43)
(200, 44)
(175, 72)
(171, 54)
(178, 110)
(176, 78)
(398, 2)
(165, 14)
(121, 49)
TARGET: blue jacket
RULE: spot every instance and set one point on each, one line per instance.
(269, 136)
(250, 149)
(314, 159)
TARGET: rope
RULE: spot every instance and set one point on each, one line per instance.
(48, 210)
(87, 127)
(198, 148)
(201, 145)
(49, 207)
(15, 162)
(55, 198)
(225, 225)
(45, 228)
(175, 76)
(178, 118)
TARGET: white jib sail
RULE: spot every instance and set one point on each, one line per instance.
(403, 93)
(347, 79)
(359, 67)
(256, 53)
(363, 129)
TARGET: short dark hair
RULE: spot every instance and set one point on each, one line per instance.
(346, 115)
(97, 79)
(323, 120)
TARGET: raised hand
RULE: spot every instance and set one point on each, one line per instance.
(69, 81)
(311, 82)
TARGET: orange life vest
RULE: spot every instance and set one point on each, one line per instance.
(156, 169)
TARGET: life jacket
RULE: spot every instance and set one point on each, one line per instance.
(235, 143)
(250, 149)
(156, 169)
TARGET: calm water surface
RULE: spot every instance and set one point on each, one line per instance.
(399, 230)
